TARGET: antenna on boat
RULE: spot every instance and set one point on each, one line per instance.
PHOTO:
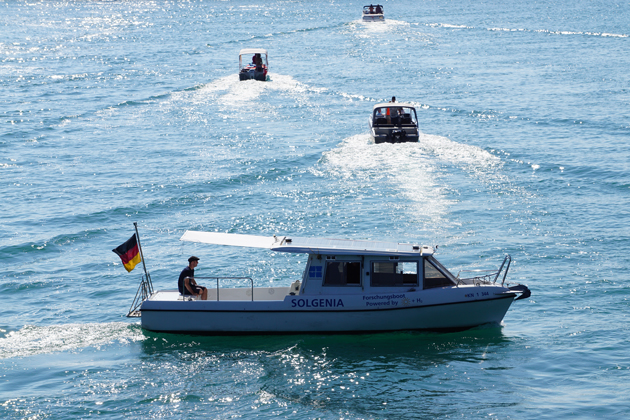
(145, 290)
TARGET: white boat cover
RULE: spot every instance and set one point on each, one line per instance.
(232, 239)
(308, 245)
(394, 104)
(249, 51)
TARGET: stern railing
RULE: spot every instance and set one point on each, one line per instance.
(145, 290)
(251, 281)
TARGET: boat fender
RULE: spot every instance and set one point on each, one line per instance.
(522, 289)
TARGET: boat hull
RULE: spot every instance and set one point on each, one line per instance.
(253, 75)
(229, 318)
(388, 132)
(373, 18)
(393, 137)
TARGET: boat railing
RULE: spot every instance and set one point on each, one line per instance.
(251, 281)
(486, 276)
(145, 290)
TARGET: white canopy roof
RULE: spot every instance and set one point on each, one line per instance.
(390, 104)
(245, 51)
(308, 245)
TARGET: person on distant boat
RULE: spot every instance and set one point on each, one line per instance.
(371, 9)
(391, 115)
(187, 285)
(379, 9)
(405, 118)
(378, 117)
(258, 62)
(395, 116)
(402, 115)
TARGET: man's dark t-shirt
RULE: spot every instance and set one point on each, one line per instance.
(186, 272)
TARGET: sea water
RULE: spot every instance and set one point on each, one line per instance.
(120, 112)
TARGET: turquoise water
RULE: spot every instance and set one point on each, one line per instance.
(120, 112)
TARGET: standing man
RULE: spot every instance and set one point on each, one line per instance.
(187, 285)
(391, 117)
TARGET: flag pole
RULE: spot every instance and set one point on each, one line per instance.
(149, 283)
(135, 225)
(145, 290)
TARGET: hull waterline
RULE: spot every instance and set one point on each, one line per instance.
(447, 316)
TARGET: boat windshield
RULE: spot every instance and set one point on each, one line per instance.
(399, 115)
(436, 275)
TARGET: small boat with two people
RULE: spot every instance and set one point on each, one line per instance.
(348, 286)
(256, 68)
(373, 13)
(394, 122)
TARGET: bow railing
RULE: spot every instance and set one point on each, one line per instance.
(486, 276)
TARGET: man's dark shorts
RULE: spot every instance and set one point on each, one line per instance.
(196, 290)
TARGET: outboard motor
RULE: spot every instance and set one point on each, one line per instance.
(398, 136)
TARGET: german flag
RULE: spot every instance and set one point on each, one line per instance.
(129, 253)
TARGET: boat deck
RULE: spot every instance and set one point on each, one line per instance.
(233, 294)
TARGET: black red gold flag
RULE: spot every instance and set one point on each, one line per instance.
(129, 253)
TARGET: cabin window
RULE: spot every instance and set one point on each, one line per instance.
(434, 277)
(396, 115)
(401, 273)
(342, 273)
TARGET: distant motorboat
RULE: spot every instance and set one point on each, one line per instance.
(253, 64)
(394, 122)
(348, 286)
(373, 13)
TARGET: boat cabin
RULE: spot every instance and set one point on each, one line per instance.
(344, 274)
(394, 122)
(337, 266)
(253, 64)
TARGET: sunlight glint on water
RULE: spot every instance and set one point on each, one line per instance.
(122, 112)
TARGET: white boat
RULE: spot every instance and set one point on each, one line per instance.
(373, 13)
(348, 286)
(394, 122)
(253, 64)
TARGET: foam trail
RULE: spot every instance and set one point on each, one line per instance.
(457, 153)
(34, 340)
(231, 93)
(419, 171)
(377, 27)
(404, 166)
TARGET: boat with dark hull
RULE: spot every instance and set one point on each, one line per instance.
(253, 64)
(373, 13)
(394, 122)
